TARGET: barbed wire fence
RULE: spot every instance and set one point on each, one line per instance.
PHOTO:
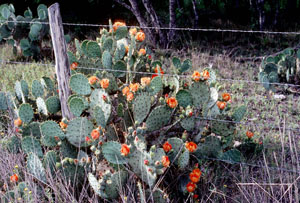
(266, 123)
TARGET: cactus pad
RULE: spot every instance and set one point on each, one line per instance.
(50, 160)
(211, 148)
(222, 128)
(239, 113)
(121, 32)
(93, 49)
(232, 156)
(177, 147)
(98, 114)
(188, 123)
(67, 150)
(41, 106)
(4, 101)
(141, 107)
(200, 93)
(37, 89)
(51, 129)
(77, 130)
(53, 104)
(106, 60)
(26, 113)
(112, 153)
(80, 84)
(31, 144)
(184, 98)
(35, 167)
(186, 65)
(97, 100)
(47, 84)
(158, 117)
(32, 129)
(76, 105)
(108, 44)
(156, 85)
(119, 65)
(183, 159)
(120, 52)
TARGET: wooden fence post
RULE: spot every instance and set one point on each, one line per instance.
(62, 65)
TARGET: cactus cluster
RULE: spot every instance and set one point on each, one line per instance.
(25, 37)
(284, 67)
(143, 123)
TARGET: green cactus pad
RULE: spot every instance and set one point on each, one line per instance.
(41, 106)
(35, 167)
(80, 84)
(200, 93)
(97, 100)
(108, 44)
(12, 144)
(3, 101)
(76, 105)
(98, 114)
(78, 48)
(176, 62)
(232, 156)
(211, 148)
(73, 172)
(93, 49)
(37, 89)
(51, 129)
(83, 47)
(183, 159)
(224, 127)
(121, 32)
(48, 141)
(120, 52)
(32, 129)
(136, 161)
(141, 107)
(119, 65)
(50, 160)
(177, 147)
(186, 65)
(184, 98)
(158, 117)
(112, 152)
(156, 85)
(78, 129)
(19, 93)
(117, 181)
(67, 150)
(25, 113)
(72, 57)
(47, 84)
(107, 60)
(53, 104)
(239, 113)
(31, 144)
(188, 123)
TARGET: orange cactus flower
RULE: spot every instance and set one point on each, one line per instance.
(226, 97)
(172, 102)
(133, 31)
(140, 36)
(125, 90)
(191, 146)
(249, 134)
(221, 105)
(205, 74)
(194, 178)
(104, 83)
(126, 49)
(18, 122)
(74, 66)
(197, 172)
(125, 150)
(190, 187)
(118, 24)
(129, 96)
(167, 147)
(165, 161)
(63, 125)
(142, 52)
(93, 79)
(134, 87)
(157, 69)
(95, 134)
(196, 76)
(14, 178)
(145, 81)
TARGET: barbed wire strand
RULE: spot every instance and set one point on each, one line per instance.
(148, 73)
(167, 28)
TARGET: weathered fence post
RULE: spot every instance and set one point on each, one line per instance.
(62, 65)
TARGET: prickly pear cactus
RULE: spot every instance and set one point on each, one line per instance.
(35, 167)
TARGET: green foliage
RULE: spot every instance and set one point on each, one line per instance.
(28, 37)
